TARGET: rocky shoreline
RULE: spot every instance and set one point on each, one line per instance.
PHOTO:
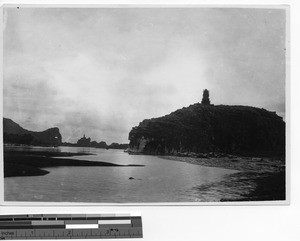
(258, 179)
(205, 128)
(255, 164)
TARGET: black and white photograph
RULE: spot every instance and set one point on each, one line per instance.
(145, 105)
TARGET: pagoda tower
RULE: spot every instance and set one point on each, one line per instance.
(205, 98)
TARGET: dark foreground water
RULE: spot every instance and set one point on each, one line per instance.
(160, 180)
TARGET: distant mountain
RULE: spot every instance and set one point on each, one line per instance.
(13, 133)
(86, 142)
(203, 128)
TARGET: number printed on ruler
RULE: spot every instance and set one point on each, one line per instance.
(75, 226)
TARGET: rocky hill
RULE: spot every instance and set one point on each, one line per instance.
(15, 134)
(203, 128)
(86, 142)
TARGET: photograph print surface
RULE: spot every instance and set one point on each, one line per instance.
(144, 105)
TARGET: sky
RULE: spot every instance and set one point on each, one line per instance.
(101, 71)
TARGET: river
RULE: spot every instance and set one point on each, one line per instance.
(160, 180)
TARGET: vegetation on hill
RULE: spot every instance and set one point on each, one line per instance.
(15, 134)
(202, 128)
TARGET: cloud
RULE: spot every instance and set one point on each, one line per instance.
(100, 72)
(77, 123)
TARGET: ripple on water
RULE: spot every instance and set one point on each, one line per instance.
(160, 180)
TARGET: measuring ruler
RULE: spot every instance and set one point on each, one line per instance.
(70, 226)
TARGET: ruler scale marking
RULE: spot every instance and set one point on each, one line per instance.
(70, 226)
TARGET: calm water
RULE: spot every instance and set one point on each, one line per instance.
(159, 180)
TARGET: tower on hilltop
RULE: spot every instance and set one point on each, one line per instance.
(205, 98)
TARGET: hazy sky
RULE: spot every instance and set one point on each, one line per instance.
(100, 72)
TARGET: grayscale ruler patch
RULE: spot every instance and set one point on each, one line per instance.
(70, 226)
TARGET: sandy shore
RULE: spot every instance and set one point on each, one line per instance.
(257, 179)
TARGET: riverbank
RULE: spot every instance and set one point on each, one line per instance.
(31, 163)
(258, 179)
(254, 164)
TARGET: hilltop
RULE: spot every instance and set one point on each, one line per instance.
(205, 128)
(13, 133)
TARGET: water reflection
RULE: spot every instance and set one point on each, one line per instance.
(160, 180)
